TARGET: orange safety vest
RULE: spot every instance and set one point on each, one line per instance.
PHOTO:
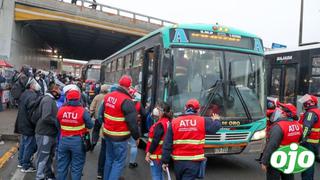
(114, 120)
(292, 132)
(156, 155)
(71, 120)
(188, 137)
(314, 136)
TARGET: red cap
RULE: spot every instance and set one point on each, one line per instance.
(314, 99)
(125, 81)
(290, 109)
(73, 95)
(193, 103)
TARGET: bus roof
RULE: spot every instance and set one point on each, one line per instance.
(165, 31)
(95, 61)
(286, 50)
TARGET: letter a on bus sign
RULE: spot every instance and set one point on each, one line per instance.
(292, 159)
(180, 36)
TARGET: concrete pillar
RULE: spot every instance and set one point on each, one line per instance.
(6, 25)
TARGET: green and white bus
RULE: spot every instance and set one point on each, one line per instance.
(220, 66)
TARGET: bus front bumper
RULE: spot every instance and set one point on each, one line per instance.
(243, 148)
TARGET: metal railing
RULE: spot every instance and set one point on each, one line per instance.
(120, 12)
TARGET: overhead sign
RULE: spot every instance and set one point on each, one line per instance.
(276, 46)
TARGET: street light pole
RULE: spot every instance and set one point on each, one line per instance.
(301, 23)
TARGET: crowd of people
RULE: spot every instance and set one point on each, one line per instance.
(56, 113)
(61, 118)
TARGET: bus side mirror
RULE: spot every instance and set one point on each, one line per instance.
(167, 63)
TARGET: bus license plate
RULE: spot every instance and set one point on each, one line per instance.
(223, 150)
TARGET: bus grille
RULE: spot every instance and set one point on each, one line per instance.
(228, 137)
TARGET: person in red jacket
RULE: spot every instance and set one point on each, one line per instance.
(157, 133)
(311, 130)
(118, 115)
(74, 121)
(184, 141)
(284, 131)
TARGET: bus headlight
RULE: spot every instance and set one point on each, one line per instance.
(259, 135)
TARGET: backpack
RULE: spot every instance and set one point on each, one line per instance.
(17, 88)
(34, 112)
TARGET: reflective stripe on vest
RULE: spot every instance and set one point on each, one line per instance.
(189, 141)
(154, 156)
(150, 140)
(113, 118)
(73, 128)
(315, 129)
(314, 141)
(196, 157)
(115, 133)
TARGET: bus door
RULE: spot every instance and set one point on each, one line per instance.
(150, 77)
(284, 82)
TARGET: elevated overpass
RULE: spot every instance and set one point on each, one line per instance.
(38, 31)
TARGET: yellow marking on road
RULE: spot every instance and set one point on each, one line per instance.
(8, 155)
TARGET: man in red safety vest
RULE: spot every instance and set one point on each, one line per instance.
(284, 130)
(184, 141)
(74, 121)
(118, 115)
(311, 130)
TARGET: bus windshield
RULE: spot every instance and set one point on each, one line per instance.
(93, 74)
(228, 83)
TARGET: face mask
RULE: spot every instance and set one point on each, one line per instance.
(56, 95)
(276, 115)
(37, 78)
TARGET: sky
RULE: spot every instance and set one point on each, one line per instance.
(273, 20)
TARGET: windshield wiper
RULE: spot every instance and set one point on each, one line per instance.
(213, 89)
(244, 105)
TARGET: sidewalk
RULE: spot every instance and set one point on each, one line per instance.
(7, 120)
(8, 139)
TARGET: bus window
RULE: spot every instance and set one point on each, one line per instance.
(275, 82)
(113, 66)
(150, 77)
(290, 84)
(136, 72)
(315, 79)
(109, 67)
(138, 57)
(128, 62)
(120, 64)
(314, 86)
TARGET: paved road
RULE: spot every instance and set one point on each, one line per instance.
(233, 167)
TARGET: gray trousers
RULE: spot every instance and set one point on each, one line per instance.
(46, 148)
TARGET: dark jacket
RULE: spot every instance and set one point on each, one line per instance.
(23, 124)
(211, 127)
(48, 124)
(130, 114)
(273, 144)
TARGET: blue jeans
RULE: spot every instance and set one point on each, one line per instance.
(133, 150)
(27, 148)
(70, 152)
(156, 170)
(116, 153)
(102, 157)
(309, 173)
